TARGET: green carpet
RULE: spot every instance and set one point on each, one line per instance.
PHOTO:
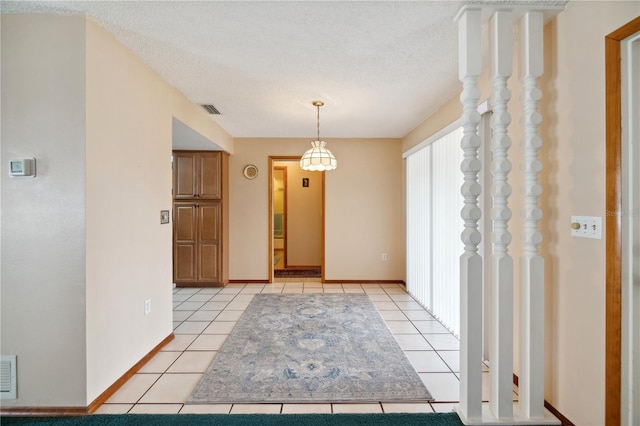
(392, 419)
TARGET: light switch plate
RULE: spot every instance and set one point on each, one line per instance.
(590, 227)
(164, 217)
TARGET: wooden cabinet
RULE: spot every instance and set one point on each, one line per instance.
(197, 175)
(200, 224)
(197, 241)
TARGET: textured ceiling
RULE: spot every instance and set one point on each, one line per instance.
(381, 67)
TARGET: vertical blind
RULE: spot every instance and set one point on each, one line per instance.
(434, 227)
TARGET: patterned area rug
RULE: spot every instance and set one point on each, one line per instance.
(310, 348)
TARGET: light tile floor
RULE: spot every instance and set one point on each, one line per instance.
(204, 317)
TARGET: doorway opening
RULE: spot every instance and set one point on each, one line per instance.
(623, 301)
(629, 216)
(296, 215)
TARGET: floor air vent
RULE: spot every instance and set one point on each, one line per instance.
(210, 109)
(8, 377)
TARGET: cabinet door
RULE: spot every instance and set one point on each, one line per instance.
(185, 236)
(185, 175)
(209, 242)
(209, 175)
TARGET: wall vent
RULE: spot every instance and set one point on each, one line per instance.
(210, 109)
(8, 377)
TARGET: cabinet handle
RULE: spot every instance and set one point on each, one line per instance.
(197, 205)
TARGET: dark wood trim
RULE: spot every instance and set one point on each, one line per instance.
(224, 246)
(43, 411)
(565, 421)
(270, 218)
(248, 281)
(104, 396)
(613, 314)
(627, 30)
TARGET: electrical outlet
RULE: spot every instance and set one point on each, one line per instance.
(384, 256)
(586, 227)
(147, 306)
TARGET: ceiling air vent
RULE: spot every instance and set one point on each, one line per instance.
(210, 109)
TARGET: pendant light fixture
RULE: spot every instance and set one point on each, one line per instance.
(318, 158)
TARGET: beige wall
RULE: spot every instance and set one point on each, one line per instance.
(575, 182)
(82, 246)
(130, 111)
(364, 212)
(363, 202)
(128, 166)
(573, 179)
(43, 218)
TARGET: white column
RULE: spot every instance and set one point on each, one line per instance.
(501, 348)
(531, 379)
(470, 66)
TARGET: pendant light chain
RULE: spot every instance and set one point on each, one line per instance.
(318, 119)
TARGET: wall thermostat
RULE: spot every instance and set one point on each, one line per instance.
(23, 167)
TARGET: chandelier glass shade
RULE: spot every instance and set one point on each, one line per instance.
(318, 158)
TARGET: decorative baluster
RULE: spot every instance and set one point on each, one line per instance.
(470, 66)
(501, 347)
(531, 380)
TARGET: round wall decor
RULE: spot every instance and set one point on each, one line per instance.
(250, 171)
